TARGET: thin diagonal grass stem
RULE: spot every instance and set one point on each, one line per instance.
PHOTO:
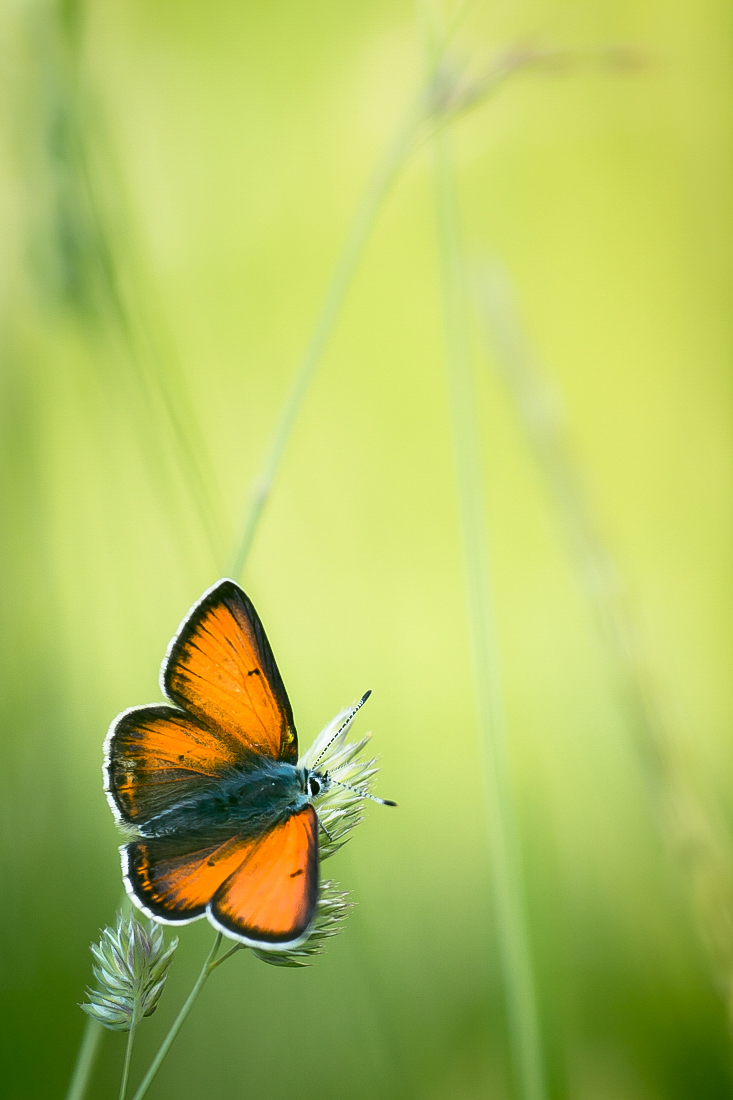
(180, 1019)
(345, 268)
(353, 249)
(232, 951)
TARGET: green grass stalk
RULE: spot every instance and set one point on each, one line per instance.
(104, 288)
(511, 919)
(85, 1059)
(693, 830)
(513, 940)
(338, 288)
(128, 1056)
(207, 969)
(351, 254)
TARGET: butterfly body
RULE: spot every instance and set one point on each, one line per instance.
(222, 813)
(249, 800)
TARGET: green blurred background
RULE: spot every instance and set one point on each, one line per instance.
(176, 182)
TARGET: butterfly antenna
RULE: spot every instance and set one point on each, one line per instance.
(343, 726)
(363, 794)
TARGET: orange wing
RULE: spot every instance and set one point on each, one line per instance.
(173, 879)
(156, 755)
(271, 898)
(262, 892)
(221, 669)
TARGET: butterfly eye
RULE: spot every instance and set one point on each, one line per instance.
(314, 785)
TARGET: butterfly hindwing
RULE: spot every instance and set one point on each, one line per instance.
(271, 898)
(173, 878)
(221, 669)
(262, 891)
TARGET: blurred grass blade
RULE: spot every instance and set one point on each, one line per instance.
(522, 1011)
(353, 249)
(86, 264)
(335, 296)
(694, 831)
(85, 1059)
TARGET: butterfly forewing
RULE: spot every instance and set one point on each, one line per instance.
(221, 669)
(157, 756)
(270, 899)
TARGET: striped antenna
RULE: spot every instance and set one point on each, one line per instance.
(363, 794)
(343, 726)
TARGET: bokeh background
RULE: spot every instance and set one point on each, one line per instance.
(176, 183)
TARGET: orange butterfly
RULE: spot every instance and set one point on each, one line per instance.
(224, 815)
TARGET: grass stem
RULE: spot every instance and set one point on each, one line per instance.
(351, 253)
(522, 1010)
(128, 1056)
(88, 1049)
(341, 281)
(175, 1027)
(696, 833)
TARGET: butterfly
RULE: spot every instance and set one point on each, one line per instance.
(224, 817)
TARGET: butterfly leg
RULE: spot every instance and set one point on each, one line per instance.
(324, 828)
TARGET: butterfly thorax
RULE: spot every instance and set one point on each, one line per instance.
(248, 800)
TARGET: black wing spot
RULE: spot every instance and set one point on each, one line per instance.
(254, 672)
(296, 873)
(181, 758)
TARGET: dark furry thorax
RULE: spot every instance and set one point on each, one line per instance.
(246, 800)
